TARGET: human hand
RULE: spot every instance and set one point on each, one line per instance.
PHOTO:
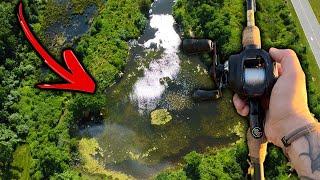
(288, 105)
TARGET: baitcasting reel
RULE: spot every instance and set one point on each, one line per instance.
(251, 74)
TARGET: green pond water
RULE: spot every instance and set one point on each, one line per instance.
(157, 76)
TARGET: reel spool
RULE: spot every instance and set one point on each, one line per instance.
(254, 76)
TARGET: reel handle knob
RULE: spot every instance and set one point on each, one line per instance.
(195, 46)
(203, 95)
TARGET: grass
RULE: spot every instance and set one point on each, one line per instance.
(22, 161)
(315, 4)
(80, 5)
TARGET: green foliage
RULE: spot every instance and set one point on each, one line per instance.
(315, 4)
(8, 141)
(105, 49)
(193, 161)
(80, 5)
(229, 163)
(88, 148)
(276, 165)
(221, 164)
(177, 175)
(42, 120)
(7, 39)
(67, 175)
(22, 162)
(84, 106)
(219, 20)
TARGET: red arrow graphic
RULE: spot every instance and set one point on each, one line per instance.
(78, 79)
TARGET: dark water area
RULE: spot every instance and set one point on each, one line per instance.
(158, 76)
(77, 25)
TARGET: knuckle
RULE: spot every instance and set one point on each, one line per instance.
(234, 97)
(239, 111)
(290, 52)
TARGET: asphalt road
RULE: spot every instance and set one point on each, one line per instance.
(310, 25)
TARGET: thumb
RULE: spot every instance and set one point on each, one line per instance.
(287, 58)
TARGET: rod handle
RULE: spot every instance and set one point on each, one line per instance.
(257, 154)
(251, 37)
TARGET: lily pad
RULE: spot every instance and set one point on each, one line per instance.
(160, 117)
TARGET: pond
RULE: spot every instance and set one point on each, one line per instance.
(159, 77)
(67, 25)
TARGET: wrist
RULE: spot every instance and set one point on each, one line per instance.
(303, 153)
(293, 153)
(276, 131)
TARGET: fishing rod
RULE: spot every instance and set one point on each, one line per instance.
(251, 74)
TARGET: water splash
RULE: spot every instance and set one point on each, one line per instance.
(148, 90)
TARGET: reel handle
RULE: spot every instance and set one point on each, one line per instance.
(256, 118)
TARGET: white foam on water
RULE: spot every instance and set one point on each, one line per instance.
(148, 89)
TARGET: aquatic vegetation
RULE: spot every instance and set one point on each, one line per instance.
(160, 117)
(221, 21)
(154, 145)
(80, 5)
(119, 143)
(88, 149)
(43, 119)
(193, 74)
(59, 11)
(227, 121)
(177, 101)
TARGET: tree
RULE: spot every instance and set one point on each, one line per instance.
(8, 142)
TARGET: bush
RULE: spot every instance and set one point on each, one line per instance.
(220, 164)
